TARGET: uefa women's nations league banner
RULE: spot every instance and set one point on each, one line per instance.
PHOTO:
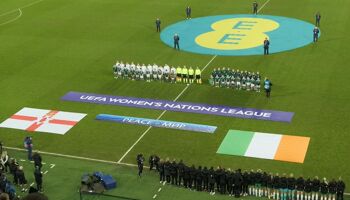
(249, 113)
(157, 123)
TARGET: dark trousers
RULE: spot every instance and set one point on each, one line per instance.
(255, 10)
(30, 149)
(174, 179)
(158, 28)
(211, 187)
(317, 23)
(268, 92)
(180, 180)
(315, 38)
(188, 15)
(167, 178)
(176, 45)
(266, 50)
(161, 176)
(39, 185)
(340, 195)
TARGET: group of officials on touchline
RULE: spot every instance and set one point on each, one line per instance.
(266, 42)
(154, 72)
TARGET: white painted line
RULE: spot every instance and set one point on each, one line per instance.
(159, 189)
(161, 115)
(14, 19)
(164, 183)
(31, 184)
(52, 166)
(25, 6)
(31, 161)
(44, 163)
(263, 5)
(46, 172)
(22, 160)
(155, 196)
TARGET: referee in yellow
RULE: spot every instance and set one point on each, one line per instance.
(184, 74)
(198, 76)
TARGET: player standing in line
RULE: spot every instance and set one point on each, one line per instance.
(255, 8)
(173, 74)
(160, 73)
(144, 72)
(315, 188)
(318, 19)
(166, 72)
(308, 189)
(291, 187)
(316, 31)
(154, 71)
(190, 74)
(324, 189)
(158, 22)
(300, 188)
(340, 189)
(188, 12)
(184, 74)
(198, 76)
(332, 189)
(178, 74)
(267, 86)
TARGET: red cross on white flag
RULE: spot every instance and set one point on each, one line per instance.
(50, 121)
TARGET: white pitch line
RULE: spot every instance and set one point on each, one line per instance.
(31, 184)
(155, 196)
(159, 189)
(25, 6)
(46, 172)
(160, 116)
(52, 166)
(263, 5)
(22, 160)
(14, 19)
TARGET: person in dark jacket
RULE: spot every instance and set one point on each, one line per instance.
(324, 189)
(300, 185)
(13, 169)
(181, 171)
(199, 178)
(340, 189)
(205, 178)
(211, 181)
(22, 181)
(308, 189)
(187, 177)
(37, 160)
(38, 179)
(332, 189)
(167, 170)
(173, 172)
(161, 172)
(192, 182)
(315, 188)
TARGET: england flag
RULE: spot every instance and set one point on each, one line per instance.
(39, 120)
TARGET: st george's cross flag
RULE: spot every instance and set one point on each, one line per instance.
(40, 120)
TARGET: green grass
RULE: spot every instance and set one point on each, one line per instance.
(59, 46)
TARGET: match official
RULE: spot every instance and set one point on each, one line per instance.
(198, 75)
(255, 8)
(176, 41)
(266, 46)
(158, 22)
(318, 19)
(188, 12)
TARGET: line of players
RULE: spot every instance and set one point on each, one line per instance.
(237, 79)
(154, 72)
(253, 183)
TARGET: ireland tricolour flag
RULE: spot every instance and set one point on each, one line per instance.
(49, 121)
(265, 145)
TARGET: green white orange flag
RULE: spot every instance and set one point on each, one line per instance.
(265, 145)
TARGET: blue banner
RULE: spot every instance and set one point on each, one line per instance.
(157, 123)
(248, 113)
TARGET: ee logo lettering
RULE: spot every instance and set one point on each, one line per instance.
(239, 35)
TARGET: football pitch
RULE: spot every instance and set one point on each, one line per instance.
(51, 47)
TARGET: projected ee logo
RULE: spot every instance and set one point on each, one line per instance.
(235, 35)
